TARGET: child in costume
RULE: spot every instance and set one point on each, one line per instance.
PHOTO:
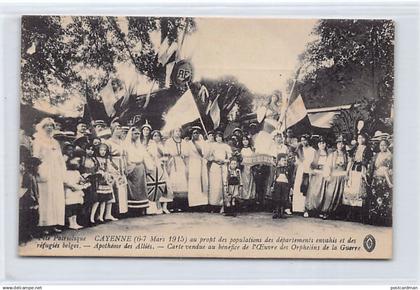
(281, 187)
(233, 188)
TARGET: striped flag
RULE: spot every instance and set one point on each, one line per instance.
(184, 111)
(294, 113)
(214, 113)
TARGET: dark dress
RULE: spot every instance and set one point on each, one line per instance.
(317, 182)
(90, 166)
(380, 197)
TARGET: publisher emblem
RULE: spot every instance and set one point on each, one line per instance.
(369, 243)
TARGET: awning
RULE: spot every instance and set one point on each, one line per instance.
(324, 117)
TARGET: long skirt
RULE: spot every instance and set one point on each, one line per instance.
(167, 195)
(197, 182)
(316, 192)
(298, 204)
(217, 174)
(120, 189)
(355, 190)
(248, 190)
(334, 192)
(177, 177)
(51, 204)
(137, 197)
(380, 202)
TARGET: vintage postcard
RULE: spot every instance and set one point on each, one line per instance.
(206, 137)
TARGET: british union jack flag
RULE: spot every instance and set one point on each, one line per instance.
(156, 185)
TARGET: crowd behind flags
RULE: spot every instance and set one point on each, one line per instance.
(105, 173)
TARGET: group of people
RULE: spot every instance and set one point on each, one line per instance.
(108, 173)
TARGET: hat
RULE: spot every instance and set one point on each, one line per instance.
(64, 136)
(193, 128)
(146, 125)
(125, 128)
(379, 135)
(211, 133)
(99, 123)
(237, 129)
(156, 131)
(104, 133)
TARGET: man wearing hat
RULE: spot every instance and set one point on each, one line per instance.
(81, 129)
(99, 125)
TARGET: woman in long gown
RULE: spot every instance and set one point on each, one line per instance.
(51, 176)
(356, 187)
(317, 181)
(248, 190)
(380, 197)
(197, 170)
(118, 157)
(305, 155)
(337, 175)
(137, 161)
(219, 155)
(162, 194)
(176, 148)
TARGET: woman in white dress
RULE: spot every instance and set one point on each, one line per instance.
(162, 192)
(119, 161)
(176, 148)
(197, 170)
(248, 192)
(51, 176)
(219, 155)
(138, 160)
(305, 156)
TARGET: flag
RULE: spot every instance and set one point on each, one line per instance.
(184, 111)
(169, 68)
(294, 113)
(108, 98)
(203, 94)
(166, 51)
(214, 113)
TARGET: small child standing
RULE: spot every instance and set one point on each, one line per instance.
(280, 187)
(74, 184)
(105, 195)
(233, 188)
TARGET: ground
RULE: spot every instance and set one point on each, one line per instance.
(244, 225)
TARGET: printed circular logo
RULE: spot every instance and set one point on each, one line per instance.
(369, 243)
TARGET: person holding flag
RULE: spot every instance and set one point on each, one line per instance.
(198, 185)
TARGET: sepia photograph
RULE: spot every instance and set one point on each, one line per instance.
(206, 137)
